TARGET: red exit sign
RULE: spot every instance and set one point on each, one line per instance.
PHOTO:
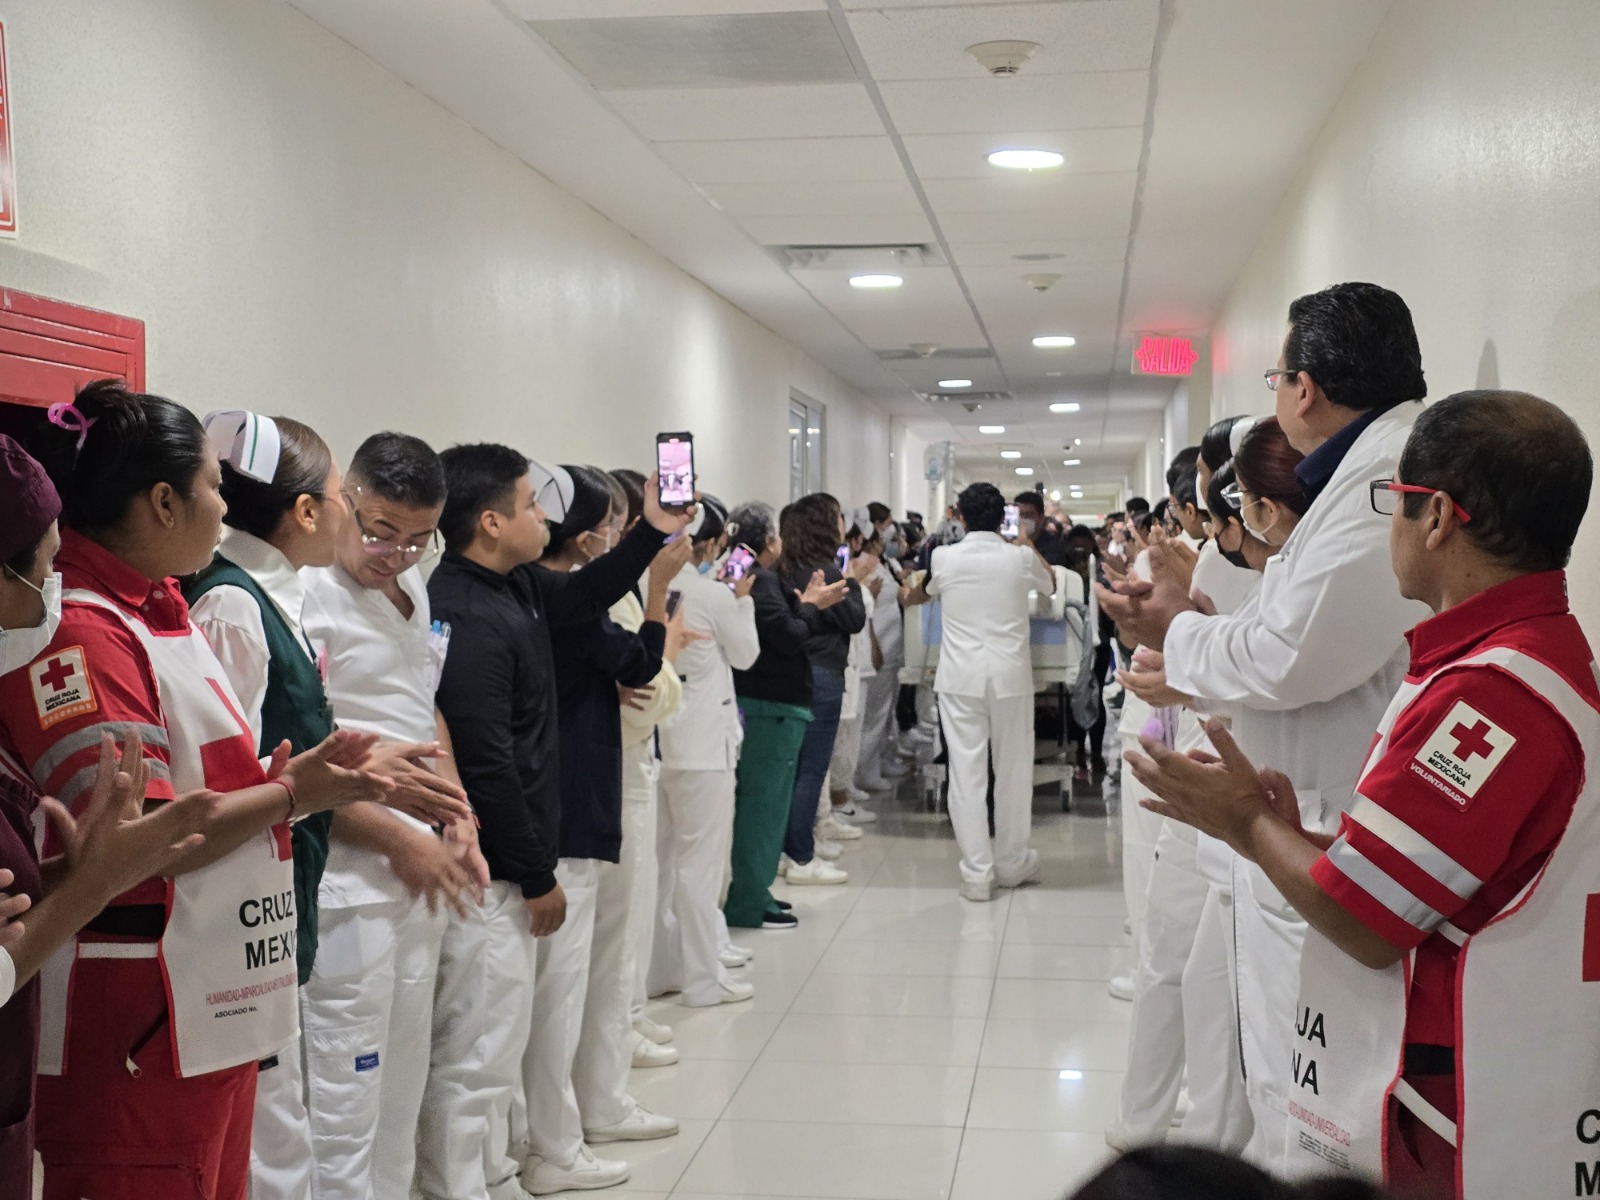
(1157, 355)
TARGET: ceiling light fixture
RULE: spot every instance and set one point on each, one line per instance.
(1056, 495)
(875, 282)
(1072, 462)
(1054, 341)
(1077, 441)
(1026, 160)
(1024, 470)
(1065, 408)
(1011, 454)
(955, 383)
(991, 428)
(1041, 256)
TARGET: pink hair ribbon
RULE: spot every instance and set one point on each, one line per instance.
(66, 416)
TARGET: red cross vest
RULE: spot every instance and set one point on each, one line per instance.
(228, 951)
(1527, 1024)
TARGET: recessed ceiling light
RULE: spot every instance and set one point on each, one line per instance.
(1065, 408)
(1072, 1076)
(1077, 441)
(991, 428)
(1055, 495)
(1040, 257)
(1011, 454)
(1054, 374)
(955, 383)
(1072, 462)
(1026, 160)
(875, 281)
(1051, 342)
(1024, 470)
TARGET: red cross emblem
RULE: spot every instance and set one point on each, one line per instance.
(57, 675)
(1472, 743)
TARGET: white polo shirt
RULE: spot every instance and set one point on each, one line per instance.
(983, 583)
(383, 671)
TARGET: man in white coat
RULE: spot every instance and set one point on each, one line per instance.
(985, 688)
(1309, 667)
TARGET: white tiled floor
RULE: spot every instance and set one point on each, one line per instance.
(905, 1044)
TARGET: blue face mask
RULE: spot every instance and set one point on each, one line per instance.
(704, 568)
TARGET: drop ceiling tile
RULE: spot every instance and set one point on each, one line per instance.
(1019, 191)
(1004, 285)
(965, 155)
(786, 160)
(551, 10)
(838, 231)
(1073, 252)
(1042, 102)
(929, 308)
(930, 43)
(710, 114)
(989, 226)
(888, 198)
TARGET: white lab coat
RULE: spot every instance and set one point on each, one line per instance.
(1306, 669)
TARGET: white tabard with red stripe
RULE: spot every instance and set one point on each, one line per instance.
(228, 951)
(1527, 1025)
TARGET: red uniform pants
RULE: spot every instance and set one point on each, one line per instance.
(1418, 1163)
(115, 1131)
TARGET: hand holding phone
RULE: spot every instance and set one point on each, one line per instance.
(674, 599)
(1011, 523)
(841, 559)
(736, 566)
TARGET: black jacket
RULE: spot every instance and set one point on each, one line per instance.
(591, 658)
(782, 674)
(830, 630)
(498, 693)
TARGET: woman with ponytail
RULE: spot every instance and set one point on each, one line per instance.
(155, 1027)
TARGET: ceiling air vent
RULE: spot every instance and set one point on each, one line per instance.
(966, 397)
(935, 353)
(859, 258)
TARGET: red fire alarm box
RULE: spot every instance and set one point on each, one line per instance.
(49, 349)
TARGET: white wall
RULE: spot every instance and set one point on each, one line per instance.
(1462, 169)
(304, 233)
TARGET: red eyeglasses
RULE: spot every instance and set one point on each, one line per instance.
(1386, 495)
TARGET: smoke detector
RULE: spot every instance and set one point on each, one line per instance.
(924, 349)
(1003, 59)
(1041, 282)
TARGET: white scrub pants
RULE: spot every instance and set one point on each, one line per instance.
(972, 725)
(548, 1122)
(280, 1135)
(877, 722)
(640, 774)
(605, 1041)
(1271, 936)
(1219, 1110)
(1140, 828)
(695, 840)
(846, 753)
(367, 1020)
(482, 1013)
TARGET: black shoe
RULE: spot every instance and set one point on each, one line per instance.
(1099, 767)
(783, 906)
(779, 920)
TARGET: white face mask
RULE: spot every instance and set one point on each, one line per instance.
(1259, 534)
(19, 647)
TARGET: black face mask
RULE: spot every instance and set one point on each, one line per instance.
(1236, 557)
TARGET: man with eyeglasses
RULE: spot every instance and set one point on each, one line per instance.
(390, 879)
(1444, 1030)
(1307, 668)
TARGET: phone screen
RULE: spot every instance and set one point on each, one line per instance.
(737, 566)
(1011, 526)
(674, 598)
(675, 465)
(842, 559)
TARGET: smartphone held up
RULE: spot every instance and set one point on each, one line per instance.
(736, 566)
(675, 466)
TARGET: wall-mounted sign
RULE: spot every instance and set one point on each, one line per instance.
(8, 170)
(1159, 355)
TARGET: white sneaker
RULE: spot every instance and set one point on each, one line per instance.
(733, 958)
(736, 991)
(837, 831)
(648, 1054)
(1121, 987)
(826, 850)
(657, 1033)
(815, 873)
(1120, 1140)
(876, 783)
(640, 1125)
(586, 1174)
(979, 893)
(1028, 869)
(856, 813)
